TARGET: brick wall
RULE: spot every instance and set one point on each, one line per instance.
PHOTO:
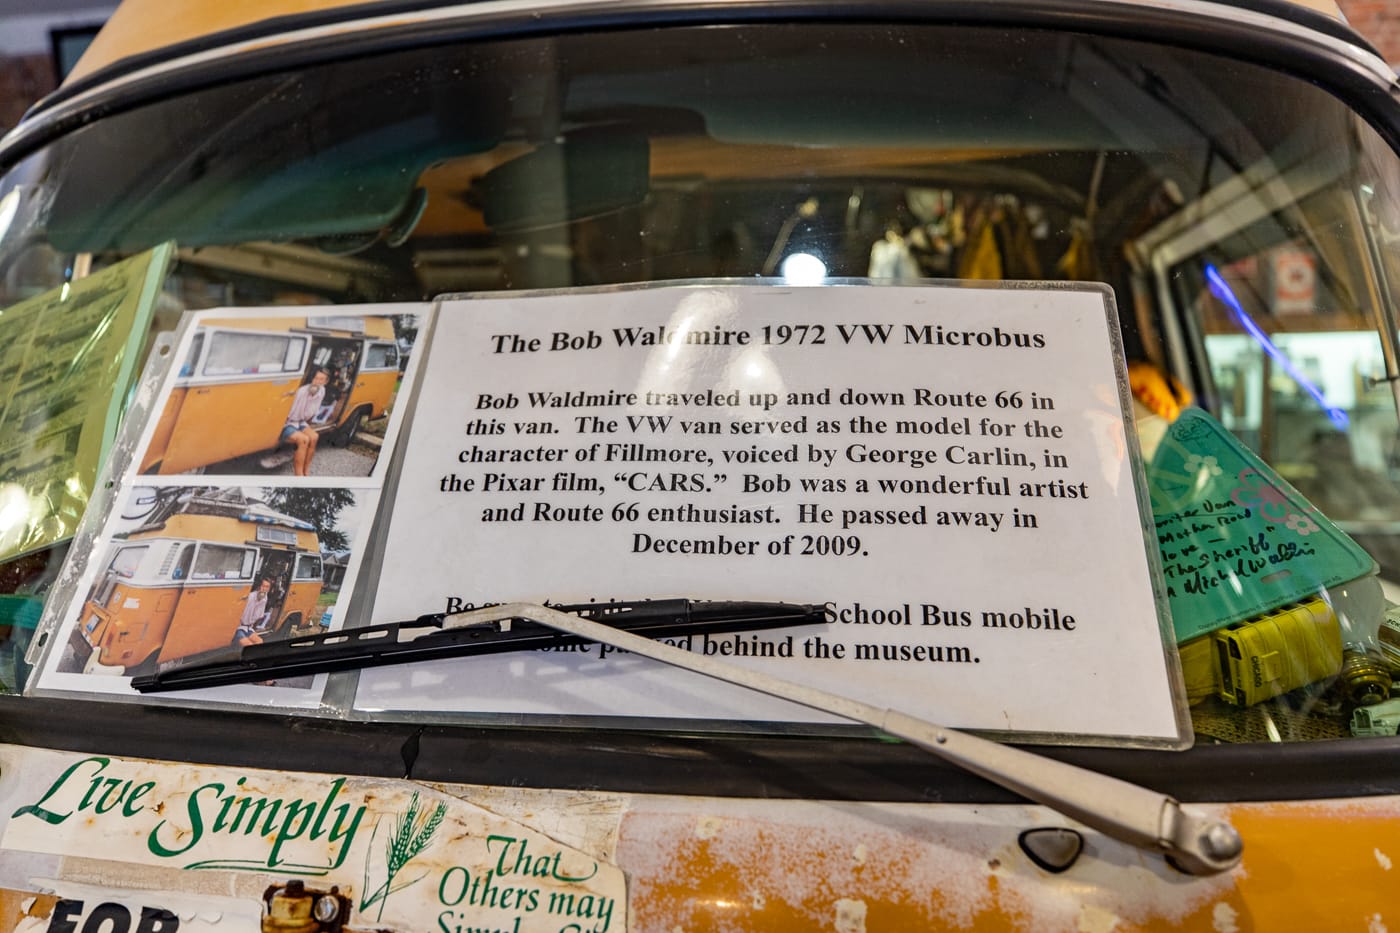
(23, 80)
(1377, 20)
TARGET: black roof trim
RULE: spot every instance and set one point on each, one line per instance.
(1292, 53)
(276, 25)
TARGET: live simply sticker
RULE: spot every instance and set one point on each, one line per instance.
(394, 855)
(948, 469)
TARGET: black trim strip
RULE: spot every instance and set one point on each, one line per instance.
(1279, 9)
(262, 29)
(723, 765)
(1328, 67)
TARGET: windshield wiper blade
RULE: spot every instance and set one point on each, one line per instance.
(451, 635)
(1197, 844)
(1194, 843)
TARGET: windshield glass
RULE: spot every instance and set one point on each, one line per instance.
(1242, 219)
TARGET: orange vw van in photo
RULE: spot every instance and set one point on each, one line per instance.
(177, 584)
(236, 384)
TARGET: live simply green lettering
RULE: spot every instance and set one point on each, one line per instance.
(211, 811)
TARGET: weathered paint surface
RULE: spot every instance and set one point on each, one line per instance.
(20, 909)
(701, 863)
(1313, 866)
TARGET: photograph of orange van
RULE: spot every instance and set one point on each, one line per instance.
(195, 569)
(270, 395)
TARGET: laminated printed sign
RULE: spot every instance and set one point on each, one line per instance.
(947, 470)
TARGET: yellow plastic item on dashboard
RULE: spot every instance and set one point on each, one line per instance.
(1198, 668)
(1270, 655)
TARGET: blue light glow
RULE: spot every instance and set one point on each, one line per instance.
(1221, 290)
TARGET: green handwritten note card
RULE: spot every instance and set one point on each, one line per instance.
(1236, 538)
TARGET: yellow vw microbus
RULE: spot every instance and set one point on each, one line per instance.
(177, 585)
(237, 380)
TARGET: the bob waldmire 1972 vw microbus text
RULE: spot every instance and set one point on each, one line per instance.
(948, 469)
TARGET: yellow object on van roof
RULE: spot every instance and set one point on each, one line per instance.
(142, 26)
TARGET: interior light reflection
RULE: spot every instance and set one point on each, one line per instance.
(680, 330)
(754, 372)
(14, 514)
(9, 207)
(803, 269)
(1222, 290)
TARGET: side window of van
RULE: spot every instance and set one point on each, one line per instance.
(232, 353)
(308, 567)
(382, 356)
(221, 562)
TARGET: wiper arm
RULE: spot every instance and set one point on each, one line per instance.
(1135, 815)
(452, 635)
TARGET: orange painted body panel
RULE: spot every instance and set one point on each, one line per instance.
(145, 624)
(139, 26)
(373, 390)
(765, 866)
(205, 620)
(165, 427)
(208, 615)
(301, 598)
(1321, 865)
(217, 422)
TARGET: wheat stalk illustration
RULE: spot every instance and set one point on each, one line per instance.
(413, 830)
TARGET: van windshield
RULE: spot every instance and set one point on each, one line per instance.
(127, 562)
(1243, 221)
